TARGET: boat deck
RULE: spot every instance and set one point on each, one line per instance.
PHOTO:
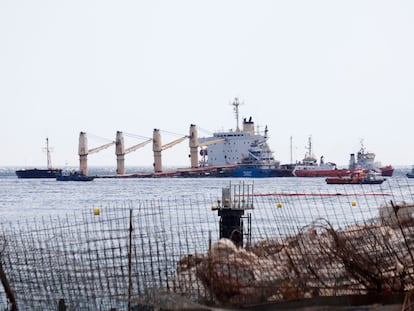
(207, 171)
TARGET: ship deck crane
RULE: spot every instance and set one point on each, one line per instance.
(173, 143)
(157, 148)
(121, 151)
(97, 149)
(138, 146)
(84, 151)
(195, 143)
(210, 142)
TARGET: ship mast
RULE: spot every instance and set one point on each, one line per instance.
(309, 147)
(236, 105)
(49, 161)
(362, 150)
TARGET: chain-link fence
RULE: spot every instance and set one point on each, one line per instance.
(148, 254)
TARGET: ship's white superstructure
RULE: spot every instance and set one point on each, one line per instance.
(365, 160)
(235, 146)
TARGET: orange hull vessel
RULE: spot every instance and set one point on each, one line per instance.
(321, 172)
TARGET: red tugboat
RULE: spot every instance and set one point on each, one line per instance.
(357, 177)
(309, 166)
(366, 160)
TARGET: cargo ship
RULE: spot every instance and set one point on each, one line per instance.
(49, 172)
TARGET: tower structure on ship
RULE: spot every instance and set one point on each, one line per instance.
(233, 146)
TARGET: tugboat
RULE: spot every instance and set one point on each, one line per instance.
(366, 160)
(357, 177)
(309, 166)
(41, 173)
(74, 176)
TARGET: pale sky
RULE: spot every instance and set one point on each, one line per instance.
(340, 71)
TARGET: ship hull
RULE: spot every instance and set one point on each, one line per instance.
(261, 171)
(356, 179)
(387, 170)
(74, 178)
(321, 173)
(282, 172)
(251, 172)
(346, 181)
(38, 173)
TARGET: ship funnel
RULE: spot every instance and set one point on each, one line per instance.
(248, 126)
(352, 163)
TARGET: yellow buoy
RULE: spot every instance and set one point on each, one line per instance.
(279, 205)
(96, 211)
(353, 203)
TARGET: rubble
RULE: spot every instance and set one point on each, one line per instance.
(319, 261)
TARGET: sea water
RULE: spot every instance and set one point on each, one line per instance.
(24, 199)
(27, 199)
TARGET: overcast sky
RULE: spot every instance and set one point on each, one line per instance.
(339, 71)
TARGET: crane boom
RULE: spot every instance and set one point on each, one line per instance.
(133, 148)
(210, 142)
(95, 150)
(173, 143)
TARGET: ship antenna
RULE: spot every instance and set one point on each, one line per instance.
(49, 161)
(236, 105)
(362, 145)
(310, 146)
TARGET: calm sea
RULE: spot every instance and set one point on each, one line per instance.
(23, 199)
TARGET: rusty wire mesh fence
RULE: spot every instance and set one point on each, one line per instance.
(166, 252)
